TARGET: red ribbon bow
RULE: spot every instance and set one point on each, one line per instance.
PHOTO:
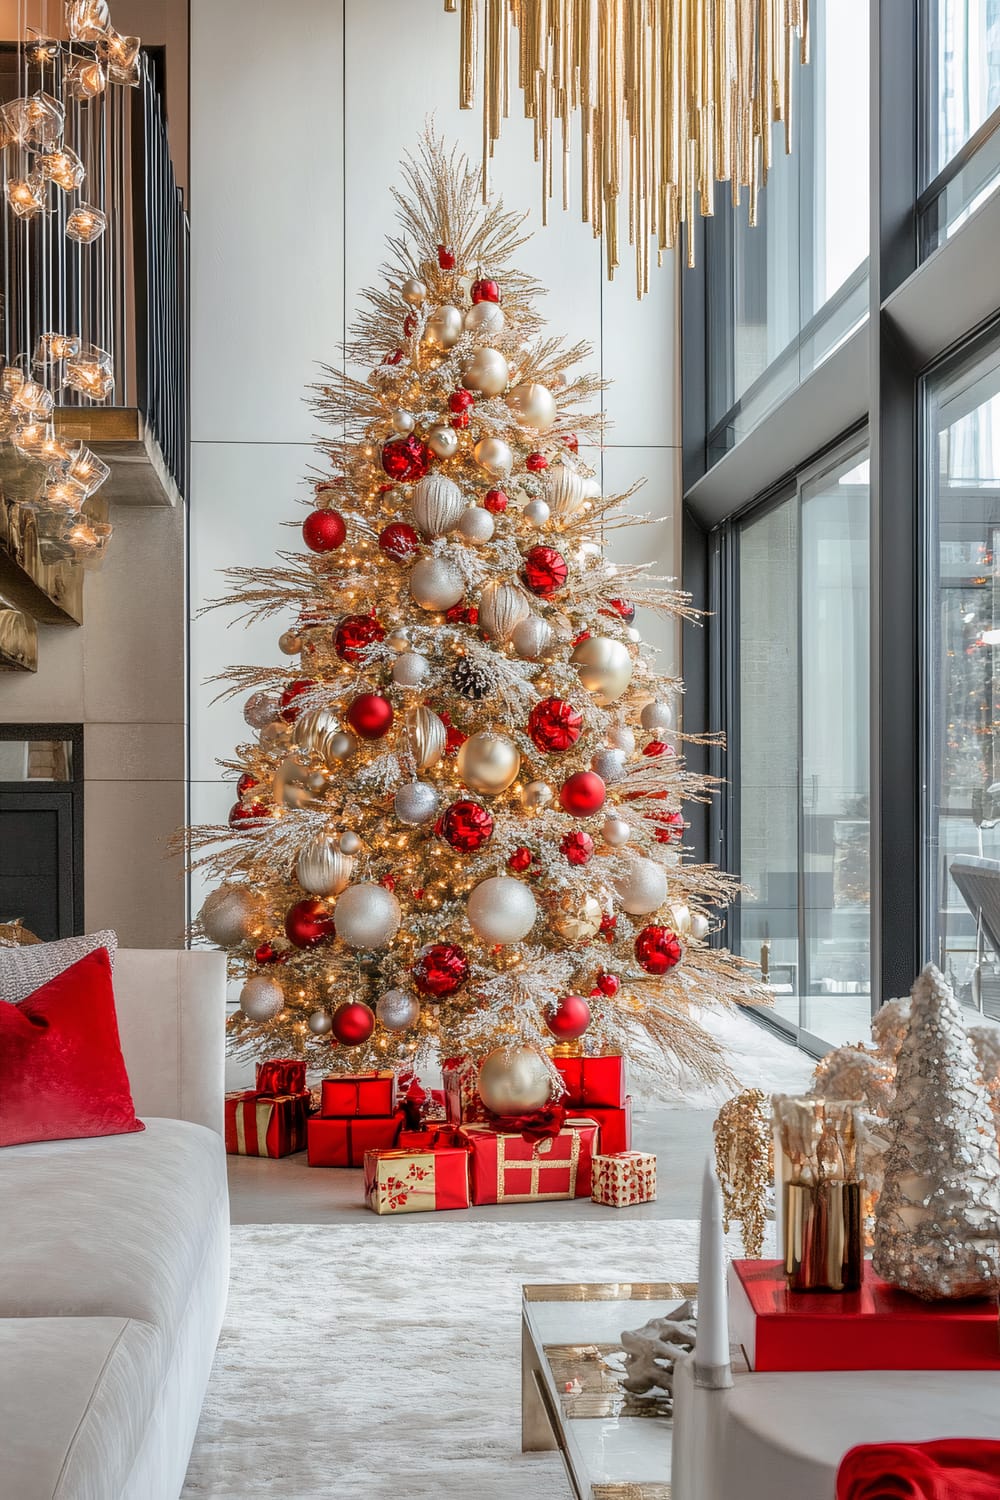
(540, 1125)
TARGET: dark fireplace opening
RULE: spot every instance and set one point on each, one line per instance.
(41, 828)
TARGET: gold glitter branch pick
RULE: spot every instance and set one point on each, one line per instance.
(678, 94)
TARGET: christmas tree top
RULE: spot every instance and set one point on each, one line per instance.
(459, 823)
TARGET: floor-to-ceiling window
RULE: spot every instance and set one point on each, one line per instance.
(961, 119)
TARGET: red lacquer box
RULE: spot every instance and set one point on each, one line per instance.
(415, 1181)
(359, 1094)
(592, 1082)
(877, 1327)
(265, 1124)
(343, 1143)
(508, 1169)
(281, 1075)
(616, 1127)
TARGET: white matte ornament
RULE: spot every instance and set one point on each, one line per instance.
(534, 405)
(485, 317)
(643, 889)
(514, 1081)
(609, 765)
(657, 715)
(261, 999)
(443, 328)
(700, 926)
(501, 910)
(398, 1010)
(435, 584)
(410, 669)
(414, 291)
(416, 803)
(605, 668)
(532, 637)
(228, 915)
(494, 456)
(476, 524)
(537, 512)
(350, 843)
(488, 762)
(437, 504)
(402, 422)
(486, 372)
(616, 832)
(564, 491)
(322, 869)
(501, 607)
(427, 736)
(367, 916)
(443, 441)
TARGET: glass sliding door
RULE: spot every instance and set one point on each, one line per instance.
(802, 783)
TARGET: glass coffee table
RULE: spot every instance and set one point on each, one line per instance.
(615, 1446)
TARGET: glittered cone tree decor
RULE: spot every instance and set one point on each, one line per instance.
(457, 826)
(937, 1221)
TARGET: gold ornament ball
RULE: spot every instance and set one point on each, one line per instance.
(398, 640)
(575, 920)
(413, 291)
(274, 737)
(488, 762)
(486, 317)
(494, 456)
(402, 422)
(289, 643)
(443, 328)
(317, 781)
(320, 1022)
(564, 491)
(531, 637)
(435, 584)
(350, 843)
(310, 729)
(410, 669)
(514, 1081)
(322, 869)
(605, 668)
(486, 373)
(533, 404)
(437, 504)
(536, 794)
(427, 736)
(338, 747)
(442, 441)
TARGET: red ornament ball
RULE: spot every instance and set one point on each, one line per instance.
(609, 925)
(658, 949)
(656, 747)
(440, 969)
(267, 953)
(570, 1018)
(406, 457)
(466, 826)
(461, 401)
(496, 502)
(324, 530)
(446, 258)
(582, 794)
(309, 923)
(554, 724)
(370, 715)
(625, 608)
(398, 540)
(536, 462)
(289, 709)
(246, 814)
(485, 290)
(545, 571)
(245, 784)
(577, 847)
(355, 634)
(608, 984)
(460, 421)
(520, 860)
(389, 882)
(670, 829)
(353, 1023)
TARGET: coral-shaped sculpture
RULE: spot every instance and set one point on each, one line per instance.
(937, 1223)
(855, 1073)
(986, 1045)
(889, 1027)
(652, 1351)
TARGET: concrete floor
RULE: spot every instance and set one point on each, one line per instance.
(289, 1191)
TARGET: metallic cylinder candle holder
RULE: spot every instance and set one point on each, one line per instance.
(823, 1232)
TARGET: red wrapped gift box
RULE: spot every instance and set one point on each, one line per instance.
(616, 1126)
(281, 1075)
(265, 1124)
(428, 1139)
(877, 1327)
(343, 1143)
(461, 1099)
(509, 1169)
(413, 1182)
(592, 1082)
(359, 1094)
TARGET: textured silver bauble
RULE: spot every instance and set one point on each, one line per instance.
(410, 669)
(488, 762)
(229, 914)
(290, 642)
(275, 737)
(609, 765)
(435, 583)
(494, 456)
(536, 794)
(485, 317)
(537, 512)
(350, 843)
(501, 909)
(367, 916)
(260, 709)
(442, 440)
(402, 422)
(398, 639)
(501, 606)
(321, 868)
(616, 832)
(437, 504)
(605, 668)
(700, 926)
(620, 737)
(563, 491)
(533, 404)
(657, 715)
(532, 637)
(486, 372)
(476, 524)
(338, 747)
(443, 328)
(643, 888)
(398, 1010)
(514, 1081)
(261, 999)
(311, 729)
(413, 291)
(320, 1022)
(416, 803)
(427, 736)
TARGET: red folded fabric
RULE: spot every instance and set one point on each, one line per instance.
(951, 1469)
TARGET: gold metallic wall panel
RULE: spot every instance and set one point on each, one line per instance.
(18, 640)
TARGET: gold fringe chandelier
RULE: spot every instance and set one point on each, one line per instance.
(683, 91)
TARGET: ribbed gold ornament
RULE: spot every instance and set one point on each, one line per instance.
(681, 94)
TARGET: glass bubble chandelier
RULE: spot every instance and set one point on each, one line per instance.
(672, 97)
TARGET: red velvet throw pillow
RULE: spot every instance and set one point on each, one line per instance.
(62, 1073)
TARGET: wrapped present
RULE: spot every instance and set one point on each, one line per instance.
(616, 1126)
(461, 1098)
(343, 1142)
(510, 1169)
(591, 1082)
(359, 1094)
(621, 1178)
(281, 1075)
(414, 1182)
(265, 1124)
(428, 1138)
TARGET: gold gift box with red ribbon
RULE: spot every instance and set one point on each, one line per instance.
(414, 1182)
(265, 1124)
(506, 1168)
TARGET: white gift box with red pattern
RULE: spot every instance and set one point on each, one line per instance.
(622, 1178)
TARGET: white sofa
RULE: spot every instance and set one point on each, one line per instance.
(114, 1260)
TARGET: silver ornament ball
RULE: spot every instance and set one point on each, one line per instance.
(320, 1022)
(398, 1010)
(427, 736)
(531, 637)
(494, 456)
(437, 504)
(486, 317)
(501, 910)
(322, 869)
(536, 794)
(620, 737)
(435, 584)
(228, 915)
(514, 1081)
(442, 440)
(501, 607)
(416, 803)
(350, 843)
(657, 715)
(476, 524)
(402, 422)
(609, 765)
(367, 916)
(260, 709)
(643, 888)
(410, 669)
(261, 999)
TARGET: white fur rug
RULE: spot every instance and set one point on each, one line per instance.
(382, 1360)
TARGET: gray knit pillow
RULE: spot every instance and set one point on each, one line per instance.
(27, 968)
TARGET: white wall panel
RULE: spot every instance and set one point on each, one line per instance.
(658, 543)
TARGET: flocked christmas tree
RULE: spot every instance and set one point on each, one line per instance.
(459, 826)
